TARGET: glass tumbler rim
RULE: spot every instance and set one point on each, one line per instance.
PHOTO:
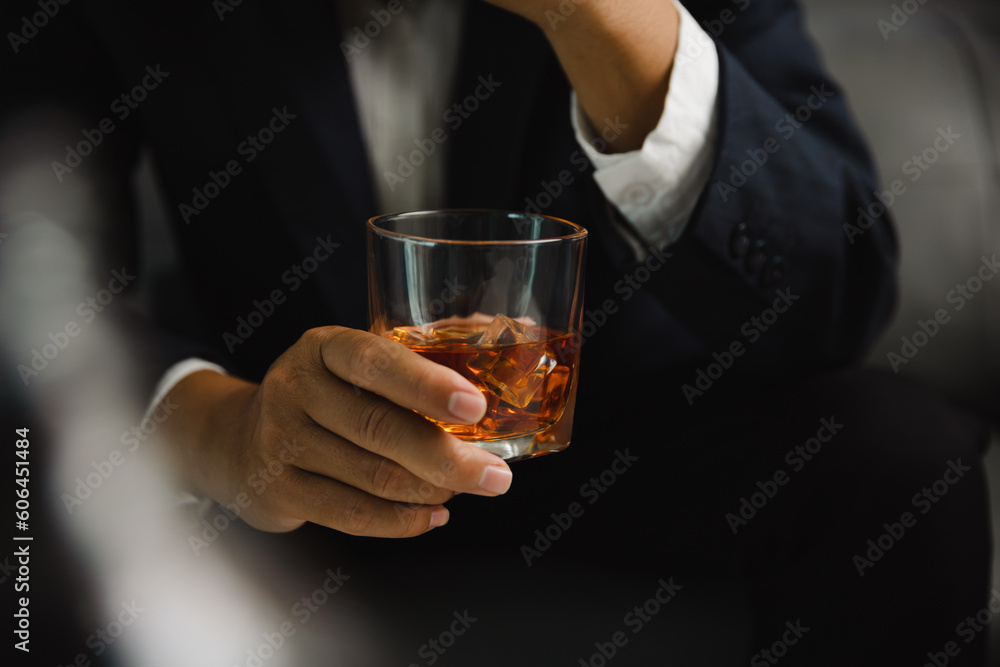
(578, 232)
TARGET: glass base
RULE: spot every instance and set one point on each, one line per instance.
(522, 447)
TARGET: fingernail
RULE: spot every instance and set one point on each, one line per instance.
(439, 517)
(468, 408)
(495, 480)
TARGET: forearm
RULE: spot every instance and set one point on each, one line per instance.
(656, 188)
(616, 55)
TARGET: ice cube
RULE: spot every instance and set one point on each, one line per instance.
(556, 386)
(492, 421)
(505, 331)
(450, 331)
(476, 320)
(456, 335)
(516, 371)
(413, 337)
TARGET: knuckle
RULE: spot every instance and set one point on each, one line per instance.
(269, 435)
(429, 494)
(367, 358)
(284, 476)
(281, 490)
(413, 524)
(274, 477)
(444, 475)
(359, 515)
(388, 479)
(409, 519)
(309, 348)
(375, 427)
(281, 381)
(465, 467)
(315, 338)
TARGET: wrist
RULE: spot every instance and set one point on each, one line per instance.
(208, 435)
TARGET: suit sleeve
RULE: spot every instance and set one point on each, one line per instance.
(788, 247)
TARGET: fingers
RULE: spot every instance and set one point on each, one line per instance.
(390, 369)
(332, 456)
(365, 462)
(386, 430)
(342, 507)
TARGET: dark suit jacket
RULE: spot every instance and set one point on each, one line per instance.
(221, 80)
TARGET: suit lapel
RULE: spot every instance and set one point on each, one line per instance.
(315, 175)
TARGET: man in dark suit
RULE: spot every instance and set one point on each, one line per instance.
(712, 367)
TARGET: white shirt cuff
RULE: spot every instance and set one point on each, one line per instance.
(175, 374)
(657, 187)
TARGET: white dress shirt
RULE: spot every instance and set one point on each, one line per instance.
(402, 82)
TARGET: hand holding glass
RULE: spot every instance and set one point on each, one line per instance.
(496, 296)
